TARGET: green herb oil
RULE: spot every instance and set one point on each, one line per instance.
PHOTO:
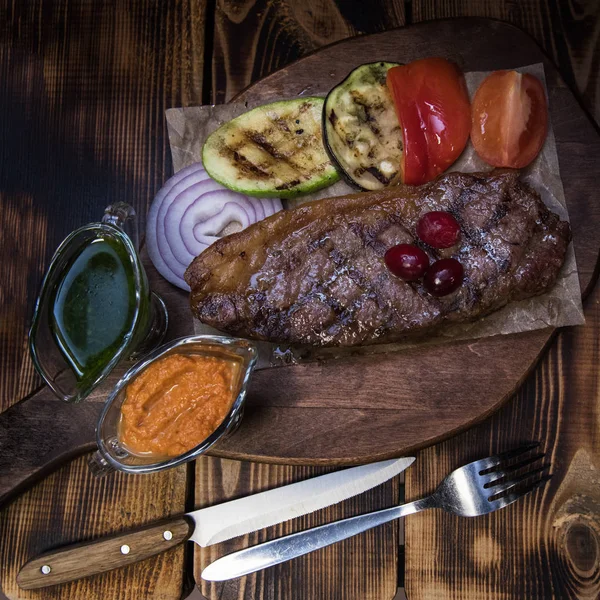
(94, 306)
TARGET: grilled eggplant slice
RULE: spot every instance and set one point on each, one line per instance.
(361, 130)
(275, 150)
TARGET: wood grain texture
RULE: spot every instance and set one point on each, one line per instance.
(567, 30)
(547, 545)
(69, 430)
(83, 89)
(70, 506)
(253, 38)
(443, 569)
(23, 229)
(26, 454)
(91, 558)
(83, 126)
(363, 567)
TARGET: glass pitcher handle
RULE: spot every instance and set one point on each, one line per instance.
(99, 466)
(123, 216)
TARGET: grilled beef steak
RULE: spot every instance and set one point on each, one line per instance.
(316, 274)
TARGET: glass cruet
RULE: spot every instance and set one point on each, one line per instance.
(95, 308)
(113, 455)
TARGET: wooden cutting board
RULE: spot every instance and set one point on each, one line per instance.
(358, 409)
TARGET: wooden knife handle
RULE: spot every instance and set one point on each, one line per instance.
(81, 560)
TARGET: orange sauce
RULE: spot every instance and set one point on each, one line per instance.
(176, 403)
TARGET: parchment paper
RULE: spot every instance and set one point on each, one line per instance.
(561, 306)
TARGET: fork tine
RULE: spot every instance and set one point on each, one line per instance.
(503, 486)
(494, 461)
(499, 475)
(506, 500)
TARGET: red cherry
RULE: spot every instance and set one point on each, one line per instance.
(443, 277)
(438, 229)
(406, 261)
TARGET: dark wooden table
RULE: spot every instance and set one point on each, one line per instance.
(83, 89)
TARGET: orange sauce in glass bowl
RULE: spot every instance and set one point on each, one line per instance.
(176, 403)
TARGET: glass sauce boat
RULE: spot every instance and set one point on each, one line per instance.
(95, 307)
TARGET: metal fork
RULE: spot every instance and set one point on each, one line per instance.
(478, 488)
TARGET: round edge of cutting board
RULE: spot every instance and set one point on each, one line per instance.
(268, 433)
(400, 451)
(379, 433)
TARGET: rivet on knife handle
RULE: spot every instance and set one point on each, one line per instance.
(81, 560)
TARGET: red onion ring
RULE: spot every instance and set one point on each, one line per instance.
(205, 218)
(189, 213)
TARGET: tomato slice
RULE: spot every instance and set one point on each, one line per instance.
(432, 104)
(509, 119)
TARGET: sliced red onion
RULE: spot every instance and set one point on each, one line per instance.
(208, 216)
(153, 232)
(175, 206)
(271, 205)
(189, 213)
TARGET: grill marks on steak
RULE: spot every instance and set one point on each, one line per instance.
(316, 274)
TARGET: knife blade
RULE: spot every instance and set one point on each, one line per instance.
(207, 526)
(216, 524)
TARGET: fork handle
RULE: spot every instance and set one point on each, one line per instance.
(277, 551)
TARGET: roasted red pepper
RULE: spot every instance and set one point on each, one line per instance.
(432, 104)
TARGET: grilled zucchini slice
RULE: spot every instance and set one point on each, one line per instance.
(275, 150)
(360, 127)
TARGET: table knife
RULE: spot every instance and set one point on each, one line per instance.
(206, 526)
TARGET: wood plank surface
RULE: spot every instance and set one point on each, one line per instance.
(251, 40)
(548, 545)
(83, 89)
(71, 506)
(485, 552)
(74, 76)
(363, 567)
